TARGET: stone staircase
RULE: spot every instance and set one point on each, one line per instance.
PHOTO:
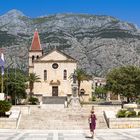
(53, 100)
(58, 117)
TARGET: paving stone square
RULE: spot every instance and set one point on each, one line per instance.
(8, 135)
(68, 124)
(100, 134)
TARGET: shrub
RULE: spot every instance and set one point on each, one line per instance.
(139, 114)
(4, 107)
(121, 113)
(93, 98)
(130, 113)
(33, 100)
(138, 101)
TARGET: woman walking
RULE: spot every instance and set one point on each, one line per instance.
(92, 123)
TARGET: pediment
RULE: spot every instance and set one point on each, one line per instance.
(56, 55)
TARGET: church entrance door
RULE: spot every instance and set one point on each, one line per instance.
(55, 91)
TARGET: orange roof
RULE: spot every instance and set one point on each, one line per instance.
(36, 42)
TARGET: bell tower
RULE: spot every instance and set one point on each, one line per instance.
(35, 51)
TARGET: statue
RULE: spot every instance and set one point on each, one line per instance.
(74, 91)
(74, 100)
(74, 78)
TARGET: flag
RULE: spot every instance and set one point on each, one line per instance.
(2, 63)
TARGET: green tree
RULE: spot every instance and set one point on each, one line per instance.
(100, 92)
(15, 84)
(81, 75)
(124, 81)
(32, 79)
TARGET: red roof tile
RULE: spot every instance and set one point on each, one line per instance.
(36, 42)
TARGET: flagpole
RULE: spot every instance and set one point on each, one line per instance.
(2, 74)
(2, 70)
(2, 84)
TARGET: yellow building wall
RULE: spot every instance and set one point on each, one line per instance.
(87, 86)
(44, 87)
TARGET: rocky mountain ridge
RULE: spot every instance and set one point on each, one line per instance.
(99, 43)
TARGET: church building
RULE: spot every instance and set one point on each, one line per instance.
(54, 70)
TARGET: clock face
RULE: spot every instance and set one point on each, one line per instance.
(55, 65)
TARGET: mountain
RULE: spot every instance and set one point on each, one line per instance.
(99, 43)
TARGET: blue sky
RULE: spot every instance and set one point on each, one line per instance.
(127, 10)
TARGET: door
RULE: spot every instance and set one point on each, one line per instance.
(55, 91)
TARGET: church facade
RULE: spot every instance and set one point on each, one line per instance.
(54, 70)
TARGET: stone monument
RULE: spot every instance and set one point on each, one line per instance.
(74, 100)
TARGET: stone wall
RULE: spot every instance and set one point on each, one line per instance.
(124, 123)
(8, 123)
(11, 122)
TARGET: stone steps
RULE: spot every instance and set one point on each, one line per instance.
(53, 100)
(57, 117)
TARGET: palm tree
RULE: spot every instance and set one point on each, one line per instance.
(81, 75)
(32, 79)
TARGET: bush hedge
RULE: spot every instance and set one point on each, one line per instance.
(4, 107)
(121, 113)
(138, 101)
(139, 114)
(127, 113)
(33, 100)
(130, 113)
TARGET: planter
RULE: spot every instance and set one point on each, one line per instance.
(116, 123)
(130, 107)
(124, 123)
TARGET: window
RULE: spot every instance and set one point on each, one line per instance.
(65, 75)
(33, 57)
(37, 57)
(55, 65)
(82, 91)
(96, 84)
(45, 75)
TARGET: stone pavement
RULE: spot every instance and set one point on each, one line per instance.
(100, 134)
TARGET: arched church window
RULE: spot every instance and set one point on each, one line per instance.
(37, 57)
(65, 75)
(33, 58)
(45, 75)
